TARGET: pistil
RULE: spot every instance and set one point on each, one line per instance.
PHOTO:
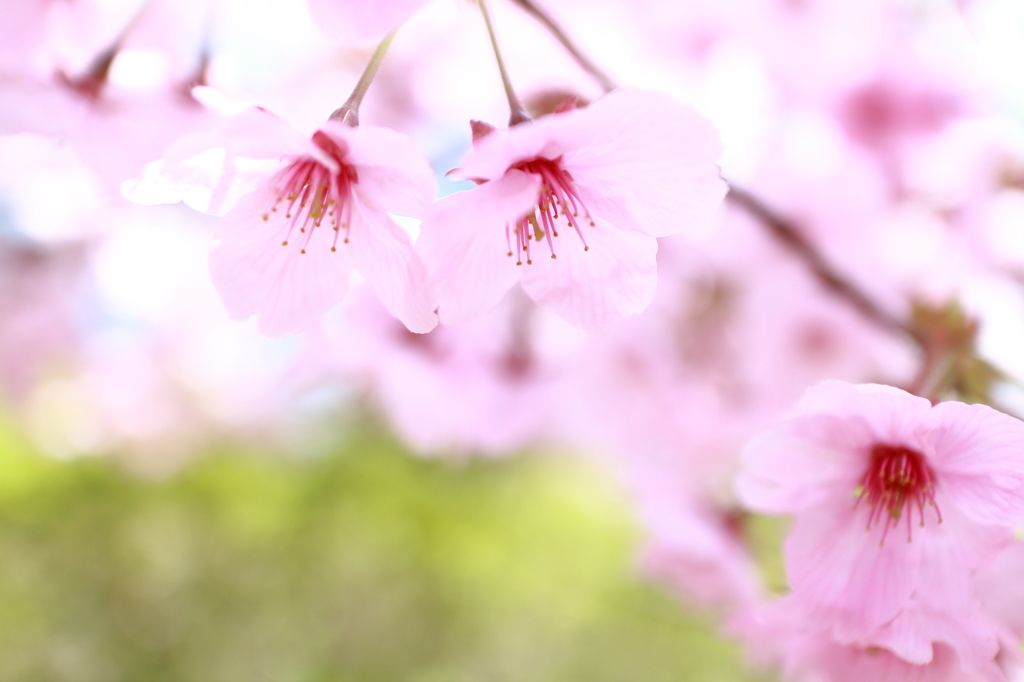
(898, 479)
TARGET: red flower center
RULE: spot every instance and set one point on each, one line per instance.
(897, 480)
(558, 197)
(313, 192)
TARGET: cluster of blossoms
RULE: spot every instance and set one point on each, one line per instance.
(585, 288)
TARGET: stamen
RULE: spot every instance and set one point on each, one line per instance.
(897, 479)
(312, 191)
(558, 198)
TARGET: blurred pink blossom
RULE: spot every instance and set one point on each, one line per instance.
(486, 387)
(357, 19)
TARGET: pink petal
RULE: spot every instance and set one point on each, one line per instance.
(841, 575)
(650, 165)
(254, 134)
(951, 553)
(211, 160)
(979, 461)
(798, 463)
(358, 19)
(394, 175)
(894, 416)
(464, 245)
(594, 289)
(911, 636)
(547, 137)
(383, 254)
(255, 275)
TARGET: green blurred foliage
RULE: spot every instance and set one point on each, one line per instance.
(363, 565)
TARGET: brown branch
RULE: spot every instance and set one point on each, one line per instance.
(590, 67)
(790, 236)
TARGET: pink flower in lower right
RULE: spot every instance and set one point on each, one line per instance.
(897, 504)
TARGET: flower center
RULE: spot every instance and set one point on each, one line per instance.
(897, 480)
(558, 197)
(313, 192)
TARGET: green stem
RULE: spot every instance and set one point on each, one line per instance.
(518, 113)
(348, 113)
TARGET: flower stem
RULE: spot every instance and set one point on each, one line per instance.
(518, 113)
(348, 113)
(585, 63)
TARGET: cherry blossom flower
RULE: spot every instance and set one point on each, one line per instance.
(897, 504)
(287, 249)
(571, 205)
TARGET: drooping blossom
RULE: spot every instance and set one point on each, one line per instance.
(570, 205)
(300, 213)
(897, 504)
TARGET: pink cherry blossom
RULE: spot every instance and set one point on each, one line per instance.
(897, 503)
(570, 205)
(287, 249)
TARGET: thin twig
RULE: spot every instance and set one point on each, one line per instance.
(585, 63)
(791, 237)
(517, 113)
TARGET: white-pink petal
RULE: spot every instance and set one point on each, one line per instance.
(979, 460)
(256, 275)
(465, 248)
(383, 254)
(594, 289)
(798, 463)
(841, 574)
(394, 175)
(650, 164)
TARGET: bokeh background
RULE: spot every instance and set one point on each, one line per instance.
(182, 499)
(360, 563)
